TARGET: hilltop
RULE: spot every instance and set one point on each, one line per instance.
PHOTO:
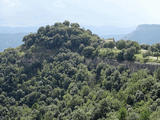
(60, 73)
(144, 34)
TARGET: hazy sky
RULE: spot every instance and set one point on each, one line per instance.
(86, 12)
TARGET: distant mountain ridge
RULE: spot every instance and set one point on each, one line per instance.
(110, 30)
(12, 40)
(115, 36)
(145, 34)
(12, 36)
(7, 29)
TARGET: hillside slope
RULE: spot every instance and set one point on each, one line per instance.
(59, 73)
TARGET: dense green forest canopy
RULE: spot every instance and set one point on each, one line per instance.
(59, 74)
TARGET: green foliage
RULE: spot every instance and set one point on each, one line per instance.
(122, 113)
(145, 115)
(121, 44)
(79, 115)
(157, 74)
(109, 44)
(61, 73)
(129, 54)
(88, 51)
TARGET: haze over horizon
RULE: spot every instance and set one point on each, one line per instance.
(121, 13)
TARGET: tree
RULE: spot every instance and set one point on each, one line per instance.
(145, 115)
(129, 54)
(76, 25)
(157, 74)
(57, 41)
(66, 22)
(157, 54)
(109, 44)
(88, 51)
(85, 90)
(120, 56)
(101, 109)
(123, 114)
(145, 46)
(79, 115)
(121, 44)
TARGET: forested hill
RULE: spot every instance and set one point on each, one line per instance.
(59, 74)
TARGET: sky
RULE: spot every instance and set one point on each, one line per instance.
(120, 13)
